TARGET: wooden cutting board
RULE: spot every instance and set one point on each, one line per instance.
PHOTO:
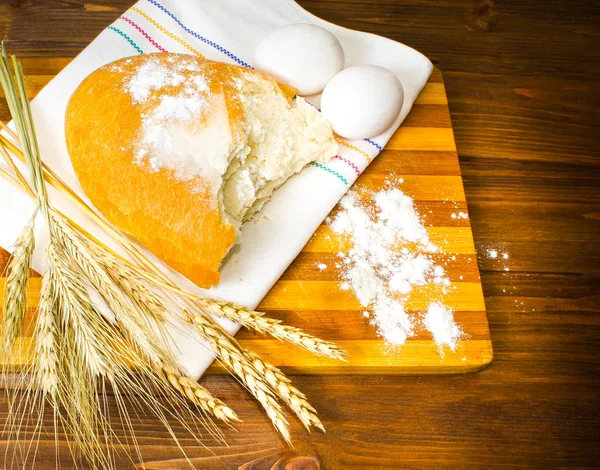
(423, 154)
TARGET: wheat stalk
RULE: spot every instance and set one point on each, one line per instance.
(90, 348)
(243, 359)
(230, 353)
(199, 395)
(149, 302)
(144, 298)
(112, 279)
(81, 357)
(269, 326)
(293, 397)
(15, 289)
(238, 365)
(45, 337)
(79, 314)
(20, 179)
(140, 330)
(75, 348)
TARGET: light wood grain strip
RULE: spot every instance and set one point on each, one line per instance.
(336, 325)
(415, 162)
(457, 240)
(374, 357)
(433, 93)
(326, 295)
(436, 76)
(419, 187)
(463, 268)
(422, 138)
(43, 65)
(428, 115)
(364, 357)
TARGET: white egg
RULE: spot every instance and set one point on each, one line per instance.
(303, 56)
(362, 101)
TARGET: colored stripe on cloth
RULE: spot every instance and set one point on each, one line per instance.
(144, 33)
(330, 170)
(171, 35)
(375, 144)
(342, 142)
(229, 54)
(349, 163)
(166, 32)
(129, 40)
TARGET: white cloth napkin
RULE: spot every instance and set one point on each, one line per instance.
(225, 30)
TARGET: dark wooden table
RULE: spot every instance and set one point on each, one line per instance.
(523, 79)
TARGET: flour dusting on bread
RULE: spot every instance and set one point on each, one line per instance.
(180, 97)
(155, 74)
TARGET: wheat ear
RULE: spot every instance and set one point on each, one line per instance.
(199, 395)
(227, 352)
(139, 328)
(144, 298)
(270, 326)
(293, 397)
(276, 381)
(151, 304)
(45, 333)
(15, 290)
(237, 364)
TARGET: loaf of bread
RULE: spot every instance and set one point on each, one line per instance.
(179, 151)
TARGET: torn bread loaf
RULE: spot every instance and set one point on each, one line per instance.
(179, 151)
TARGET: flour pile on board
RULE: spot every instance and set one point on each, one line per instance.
(391, 257)
(439, 320)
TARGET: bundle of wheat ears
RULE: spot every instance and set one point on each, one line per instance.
(101, 325)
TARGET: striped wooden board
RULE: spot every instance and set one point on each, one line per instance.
(423, 153)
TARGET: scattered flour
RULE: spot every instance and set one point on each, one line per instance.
(494, 254)
(391, 255)
(460, 215)
(321, 266)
